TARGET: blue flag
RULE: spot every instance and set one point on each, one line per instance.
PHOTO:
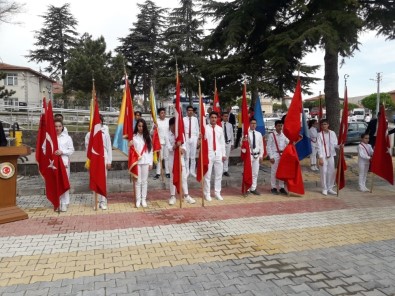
(258, 115)
(303, 147)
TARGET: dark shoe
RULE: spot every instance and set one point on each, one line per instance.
(283, 191)
(274, 191)
(168, 176)
(226, 174)
(156, 177)
(255, 192)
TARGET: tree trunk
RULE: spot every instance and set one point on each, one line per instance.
(331, 88)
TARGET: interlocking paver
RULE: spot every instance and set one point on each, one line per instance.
(267, 245)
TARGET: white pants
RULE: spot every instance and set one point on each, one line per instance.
(165, 156)
(313, 155)
(273, 171)
(255, 171)
(216, 162)
(184, 176)
(363, 166)
(191, 144)
(327, 173)
(101, 197)
(226, 162)
(142, 181)
(65, 197)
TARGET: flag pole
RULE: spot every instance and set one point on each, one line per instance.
(201, 142)
(339, 168)
(179, 149)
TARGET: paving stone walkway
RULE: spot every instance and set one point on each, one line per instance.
(255, 245)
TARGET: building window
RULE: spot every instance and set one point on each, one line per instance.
(12, 79)
(11, 102)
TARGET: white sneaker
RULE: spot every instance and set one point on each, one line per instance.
(325, 192)
(63, 207)
(208, 198)
(219, 197)
(138, 203)
(144, 203)
(103, 205)
(316, 168)
(172, 200)
(193, 174)
(189, 199)
(330, 191)
(364, 189)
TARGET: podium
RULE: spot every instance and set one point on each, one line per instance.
(9, 212)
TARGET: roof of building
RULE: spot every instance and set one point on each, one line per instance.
(8, 67)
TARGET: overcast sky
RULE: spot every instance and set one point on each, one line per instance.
(113, 20)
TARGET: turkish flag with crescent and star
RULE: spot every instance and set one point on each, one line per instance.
(95, 153)
(53, 169)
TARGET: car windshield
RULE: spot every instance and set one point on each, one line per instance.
(358, 112)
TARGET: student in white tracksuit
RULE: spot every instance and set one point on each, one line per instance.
(107, 157)
(171, 145)
(327, 142)
(313, 132)
(143, 145)
(216, 155)
(65, 150)
(256, 147)
(229, 140)
(276, 144)
(365, 152)
(163, 128)
(191, 129)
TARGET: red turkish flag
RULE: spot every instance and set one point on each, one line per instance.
(342, 166)
(245, 146)
(202, 164)
(289, 169)
(95, 153)
(179, 137)
(381, 160)
(55, 175)
(217, 107)
(128, 130)
(40, 139)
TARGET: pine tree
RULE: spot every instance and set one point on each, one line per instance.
(142, 48)
(54, 42)
(184, 44)
(88, 60)
(8, 9)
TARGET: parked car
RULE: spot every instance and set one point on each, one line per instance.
(355, 130)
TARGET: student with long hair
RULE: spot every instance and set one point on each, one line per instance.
(143, 145)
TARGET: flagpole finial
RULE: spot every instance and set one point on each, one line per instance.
(345, 79)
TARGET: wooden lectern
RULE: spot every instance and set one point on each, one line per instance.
(8, 174)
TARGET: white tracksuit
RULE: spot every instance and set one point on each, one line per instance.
(275, 153)
(163, 129)
(143, 167)
(314, 145)
(170, 141)
(327, 142)
(65, 144)
(191, 142)
(215, 158)
(365, 153)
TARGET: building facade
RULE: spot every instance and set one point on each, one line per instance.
(28, 85)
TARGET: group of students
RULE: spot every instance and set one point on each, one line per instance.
(324, 144)
(220, 141)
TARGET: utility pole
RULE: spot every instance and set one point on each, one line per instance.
(378, 79)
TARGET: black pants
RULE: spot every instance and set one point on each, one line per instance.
(238, 136)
